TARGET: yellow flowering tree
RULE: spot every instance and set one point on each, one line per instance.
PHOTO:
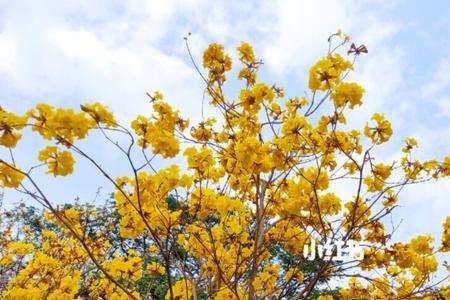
(257, 190)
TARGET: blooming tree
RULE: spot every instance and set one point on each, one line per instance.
(257, 191)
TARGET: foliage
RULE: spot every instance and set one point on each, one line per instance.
(258, 187)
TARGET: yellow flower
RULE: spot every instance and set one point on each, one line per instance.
(410, 144)
(325, 297)
(329, 204)
(445, 167)
(152, 248)
(182, 290)
(445, 247)
(380, 173)
(390, 198)
(58, 162)
(253, 98)
(248, 58)
(347, 93)
(155, 268)
(64, 125)
(10, 177)
(326, 73)
(21, 248)
(100, 114)
(382, 131)
(294, 273)
(204, 131)
(200, 160)
(246, 54)
(158, 131)
(6, 259)
(9, 124)
(422, 244)
(217, 61)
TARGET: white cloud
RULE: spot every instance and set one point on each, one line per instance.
(300, 32)
(436, 91)
(7, 54)
(86, 48)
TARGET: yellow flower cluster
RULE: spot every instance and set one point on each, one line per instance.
(259, 185)
(58, 162)
(100, 114)
(129, 266)
(64, 125)
(251, 99)
(217, 62)
(380, 173)
(382, 131)
(51, 272)
(9, 126)
(202, 161)
(142, 204)
(159, 129)
(155, 268)
(446, 235)
(182, 290)
(265, 282)
(327, 72)
(248, 58)
(347, 92)
(10, 176)
(325, 297)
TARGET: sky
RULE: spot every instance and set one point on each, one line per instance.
(72, 52)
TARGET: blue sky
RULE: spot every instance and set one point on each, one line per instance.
(71, 52)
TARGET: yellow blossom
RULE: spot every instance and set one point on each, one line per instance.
(58, 162)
